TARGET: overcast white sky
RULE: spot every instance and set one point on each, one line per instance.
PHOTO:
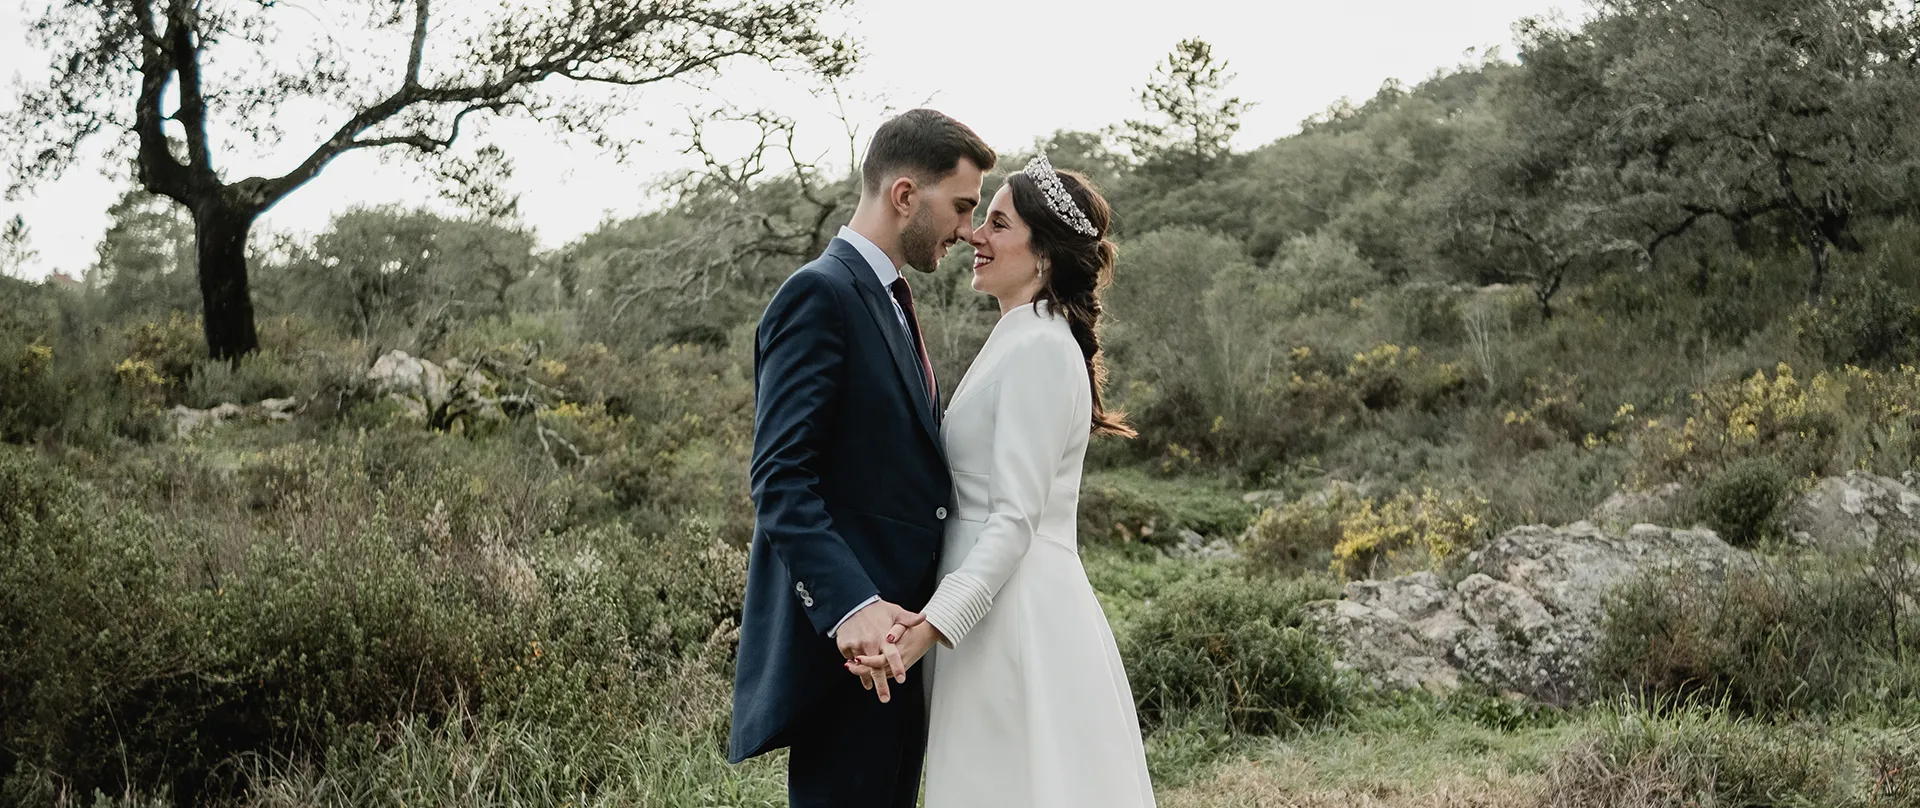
(1013, 71)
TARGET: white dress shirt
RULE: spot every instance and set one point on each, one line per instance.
(887, 273)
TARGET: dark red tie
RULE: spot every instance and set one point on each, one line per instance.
(903, 294)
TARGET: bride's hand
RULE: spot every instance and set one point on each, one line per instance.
(914, 644)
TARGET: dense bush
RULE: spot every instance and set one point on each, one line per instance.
(1841, 419)
(1742, 501)
(1708, 757)
(28, 401)
(1363, 536)
(1869, 322)
(1227, 647)
(1786, 638)
(383, 582)
(253, 378)
(1131, 507)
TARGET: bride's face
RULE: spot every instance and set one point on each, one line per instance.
(1004, 264)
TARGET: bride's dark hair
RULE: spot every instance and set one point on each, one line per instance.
(1078, 268)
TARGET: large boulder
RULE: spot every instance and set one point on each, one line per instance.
(439, 395)
(1525, 619)
(1845, 513)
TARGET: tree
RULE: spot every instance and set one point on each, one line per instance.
(737, 226)
(1699, 109)
(16, 245)
(375, 270)
(1518, 207)
(145, 259)
(1196, 120)
(407, 79)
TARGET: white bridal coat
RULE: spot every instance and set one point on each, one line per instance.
(1030, 705)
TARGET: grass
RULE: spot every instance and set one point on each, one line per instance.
(1404, 757)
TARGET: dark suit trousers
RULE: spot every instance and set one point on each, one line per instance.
(855, 751)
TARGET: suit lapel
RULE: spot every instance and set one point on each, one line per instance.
(906, 359)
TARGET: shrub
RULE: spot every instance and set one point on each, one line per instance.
(1323, 270)
(404, 577)
(1780, 639)
(27, 398)
(98, 640)
(1779, 417)
(1131, 507)
(1363, 535)
(254, 377)
(1868, 321)
(1388, 376)
(1233, 648)
(1433, 524)
(1742, 502)
(1301, 534)
(1708, 757)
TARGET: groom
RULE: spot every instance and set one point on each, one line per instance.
(849, 479)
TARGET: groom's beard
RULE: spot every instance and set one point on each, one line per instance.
(919, 241)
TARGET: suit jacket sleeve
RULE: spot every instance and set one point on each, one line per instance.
(1034, 405)
(799, 367)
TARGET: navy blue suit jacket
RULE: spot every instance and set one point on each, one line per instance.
(850, 487)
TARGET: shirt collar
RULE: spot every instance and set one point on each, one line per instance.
(877, 259)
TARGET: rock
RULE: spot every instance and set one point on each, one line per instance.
(1264, 499)
(1193, 545)
(279, 409)
(1626, 508)
(439, 395)
(1843, 513)
(1525, 620)
(398, 374)
(188, 422)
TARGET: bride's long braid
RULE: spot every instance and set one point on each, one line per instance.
(1078, 268)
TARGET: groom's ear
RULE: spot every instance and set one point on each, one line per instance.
(900, 195)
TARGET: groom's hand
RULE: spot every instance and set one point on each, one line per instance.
(873, 631)
(912, 645)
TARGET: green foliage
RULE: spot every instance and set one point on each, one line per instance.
(1742, 502)
(145, 262)
(1869, 322)
(248, 380)
(1195, 125)
(1132, 507)
(1322, 270)
(27, 398)
(1841, 419)
(403, 576)
(1363, 536)
(1788, 638)
(1299, 535)
(1710, 757)
(1232, 650)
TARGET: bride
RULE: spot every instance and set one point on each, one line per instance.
(1030, 705)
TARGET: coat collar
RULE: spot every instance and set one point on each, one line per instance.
(878, 302)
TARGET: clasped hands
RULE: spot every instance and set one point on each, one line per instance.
(883, 640)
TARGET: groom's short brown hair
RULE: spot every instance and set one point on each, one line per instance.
(923, 143)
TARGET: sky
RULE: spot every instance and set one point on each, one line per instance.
(1013, 71)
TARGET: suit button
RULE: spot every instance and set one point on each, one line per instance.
(939, 513)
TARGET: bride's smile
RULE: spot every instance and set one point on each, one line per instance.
(1004, 263)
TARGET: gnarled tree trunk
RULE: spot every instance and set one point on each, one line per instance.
(220, 246)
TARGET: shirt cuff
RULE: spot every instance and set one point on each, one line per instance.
(856, 610)
(957, 606)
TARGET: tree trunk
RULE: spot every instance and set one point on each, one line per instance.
(1817, 284)
(220, 245)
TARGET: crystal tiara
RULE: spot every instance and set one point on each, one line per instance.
(1040, 170)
